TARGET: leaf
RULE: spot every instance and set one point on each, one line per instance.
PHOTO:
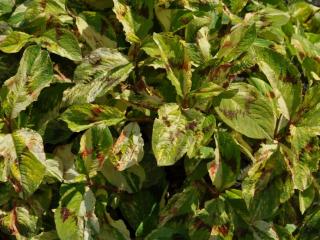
(92, 37)
(135, 26)
(181, 203)
(35, 73)
(75, 217)
(61, 42)
(264, 230)
(94, 146)
(310, 225)
(300, 173)
(25, 160)
(6, 6)
(99, 73)
(130, 208)
(51, 235)
(223, 170)
(170, 139)
(237, 42)
(306, 198)
(114, 230)
(305, 123)
(244, 106)
(14, 42)
(174, 56)
(20, 221)
(82, 117)
(283, 77)
(268, 164)
(128, 149)
(237, 5)
(129, 180)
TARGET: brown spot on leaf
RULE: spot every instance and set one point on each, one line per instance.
(174, 211)
(89, 215)
(212, 168)
(120, 139)
(227, 44)
(198, 224)
(86, 152)
(192, 125)
(96, 110)
(100, 158)
(223, 230)
(166, 121)
(271, 94)
(43, 4)
(186, 66)
(65, 213)
(228, 113)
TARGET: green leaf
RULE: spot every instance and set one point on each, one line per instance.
(82, 117)
(300, 173)
(174, 56)
(52, 235)
(237, 42)
(225, 167)
(114, 230)
(75, 217)
(130, 180)
(309, 228)
(61, 42)
(6, 6)
(170, 138)
(238, 5)
(21, 221)
(268, 164)
(181, 203)
(14, 42)
(283, 77)
(242, 106)
(94, 146)
(306, 198)
(128, 149)
(35, 73)
(135, 26)
(305, 124)
(92, 37)
(98, 74)
(25, 160)
(130, 207)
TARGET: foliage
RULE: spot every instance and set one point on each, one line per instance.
(159, 119)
